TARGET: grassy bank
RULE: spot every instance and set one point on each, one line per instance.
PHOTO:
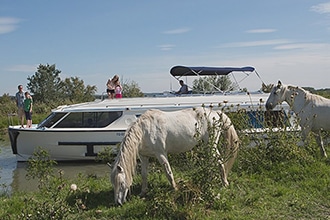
(265, 183)
(276, 179)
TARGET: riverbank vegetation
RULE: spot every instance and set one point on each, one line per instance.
(283, 183)
(275, 179)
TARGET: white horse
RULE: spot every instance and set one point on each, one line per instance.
(157, 133)
(312, 110)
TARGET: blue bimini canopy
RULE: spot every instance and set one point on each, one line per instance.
(207, 71)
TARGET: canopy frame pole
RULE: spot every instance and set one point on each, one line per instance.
(198, 74)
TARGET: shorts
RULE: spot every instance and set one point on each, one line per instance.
(20, 112)
(28, 115)
(110, 91)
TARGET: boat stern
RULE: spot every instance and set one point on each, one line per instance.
(13, 132)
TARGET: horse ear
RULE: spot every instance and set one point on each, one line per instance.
(119, 169)
(279, 84)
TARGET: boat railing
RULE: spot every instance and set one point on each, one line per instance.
(10, 118)
(104, 95)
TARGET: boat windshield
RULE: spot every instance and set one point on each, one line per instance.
(80, 119)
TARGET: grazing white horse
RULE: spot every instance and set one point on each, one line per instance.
(312, 110)
(157, 133)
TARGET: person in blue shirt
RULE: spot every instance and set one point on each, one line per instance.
(183, 89)
(19, 97)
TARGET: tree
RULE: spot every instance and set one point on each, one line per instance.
(47, 87)
(45, 83)
(212, 83)
(8, 104)
(131, 89)
(73, 89)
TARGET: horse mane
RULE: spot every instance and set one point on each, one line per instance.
(129, 150)
(308, 95)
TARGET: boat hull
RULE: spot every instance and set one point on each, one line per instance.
(63, 145)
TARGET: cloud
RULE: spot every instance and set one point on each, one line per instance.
(166, 47)
(256, 43)
(321, 8)
(308, 46)
(261, 31)
(23, 68)
(8, 24)
(177, 31)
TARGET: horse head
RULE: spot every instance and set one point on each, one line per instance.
(276, 96)
(120, 186)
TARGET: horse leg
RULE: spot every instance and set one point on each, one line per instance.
(304, 134)
(227, 160)
(223, 174)
(222, 167)
(163, 160)
(144, 174)
(319, 141)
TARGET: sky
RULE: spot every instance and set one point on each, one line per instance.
(287, 40)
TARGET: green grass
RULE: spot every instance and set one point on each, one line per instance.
(274, 180)
(289, 189)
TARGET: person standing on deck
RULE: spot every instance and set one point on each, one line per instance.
(111, 85)
(19, 97)
(28, 109)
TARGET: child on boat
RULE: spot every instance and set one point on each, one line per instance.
(118, 91)
(28, 109)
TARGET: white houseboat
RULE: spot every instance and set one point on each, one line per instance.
(80, 131)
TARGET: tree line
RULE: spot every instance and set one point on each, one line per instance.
(50, 91)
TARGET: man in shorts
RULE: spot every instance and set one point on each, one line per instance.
(20, 105)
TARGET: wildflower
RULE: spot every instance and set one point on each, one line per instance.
(73, 187)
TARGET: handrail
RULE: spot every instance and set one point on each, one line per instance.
(10, 118)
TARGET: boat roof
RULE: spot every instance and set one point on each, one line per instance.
(170, 102)
(207, 71)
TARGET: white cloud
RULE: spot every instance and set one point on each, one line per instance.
(321, 8)
(177, 31)
(301, 46)
(8, 24)
(166, 46)
(261, 31)
(23, 68)
(257, 43)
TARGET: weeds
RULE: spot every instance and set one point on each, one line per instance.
(272, 178)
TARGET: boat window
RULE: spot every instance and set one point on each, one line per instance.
(89, 119)
(51, 120)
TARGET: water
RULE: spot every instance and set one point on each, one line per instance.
(7, 166)
(13, 173)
